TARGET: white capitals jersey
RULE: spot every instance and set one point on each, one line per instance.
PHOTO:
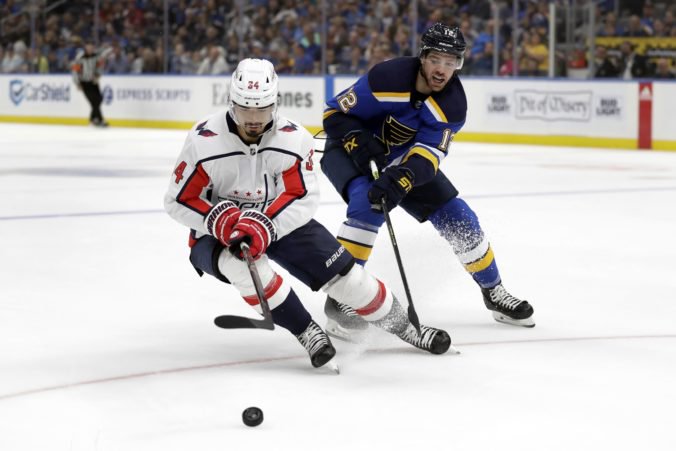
(275, 176)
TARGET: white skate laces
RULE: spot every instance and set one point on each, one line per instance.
(501, 297)
(423, 340)
(313, 338)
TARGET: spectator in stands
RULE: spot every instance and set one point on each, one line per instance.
(482, 63)
(135, 56)
(470, 35)
(311, 41)
(356, 64)
(284, 63)
(609, 26)
(635, 28)
(633, 65)
(480, 42)
(232, 50)
(536, 55)
(401, 44)
(152, 61)
(381, 52)
(36, 61)
(669, 26)
(15, 59)
(506, 62)
(648, 17)
(302, 62)
(659, 31)
(117, 61)
(257, 50)
(332, 65)
(196, 24)
(352, 42)
(337, 35)
(180, 61)
(662, 69)
(214, 63)
(606, 66)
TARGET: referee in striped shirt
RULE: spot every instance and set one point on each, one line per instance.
(86, 72)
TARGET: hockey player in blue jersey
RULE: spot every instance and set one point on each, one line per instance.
(403, 115)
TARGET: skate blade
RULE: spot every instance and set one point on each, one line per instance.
(333, 366)
(526, 322)
(453, 350)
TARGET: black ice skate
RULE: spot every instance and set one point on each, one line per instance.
(506, 308)
(429, 339)
(343, 322)
(317, 344)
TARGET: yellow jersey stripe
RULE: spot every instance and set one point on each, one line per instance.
(357, 251)
(328, 113)
(481, 264)
(425, 153)
(402, 95)
(440, 114)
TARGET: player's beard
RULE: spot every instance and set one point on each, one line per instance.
(429, 81)
(253, 134)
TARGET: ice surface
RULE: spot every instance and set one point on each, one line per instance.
(107, 342)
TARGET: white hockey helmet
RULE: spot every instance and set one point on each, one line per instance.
(254, 84)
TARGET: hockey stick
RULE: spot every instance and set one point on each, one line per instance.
(241, 322)
(412, 314)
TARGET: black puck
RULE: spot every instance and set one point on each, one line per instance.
(252, 416)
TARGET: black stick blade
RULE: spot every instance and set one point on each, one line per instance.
(241, 322)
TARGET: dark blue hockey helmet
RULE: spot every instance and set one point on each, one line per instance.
(444, 39)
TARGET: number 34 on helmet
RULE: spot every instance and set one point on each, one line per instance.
(254, 87)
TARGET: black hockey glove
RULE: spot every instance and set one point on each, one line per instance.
(392, 185)
(362, 147)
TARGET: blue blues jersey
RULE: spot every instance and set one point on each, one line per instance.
(386, 102)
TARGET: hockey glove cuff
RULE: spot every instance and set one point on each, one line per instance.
(392, 185)
(221, 219)
(254, 228)
(362, 147)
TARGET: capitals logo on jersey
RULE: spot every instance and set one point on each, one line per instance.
(205, 131)
(289, 127)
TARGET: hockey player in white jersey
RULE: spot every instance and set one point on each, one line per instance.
(247, 175)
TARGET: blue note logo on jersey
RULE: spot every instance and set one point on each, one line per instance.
(394, 133)
(289, 127)
(205, 131)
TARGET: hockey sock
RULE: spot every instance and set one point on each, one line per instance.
(291, 314)
(459, 225)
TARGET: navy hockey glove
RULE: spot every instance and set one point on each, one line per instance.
(392, 185)
(221, 219)
(254, 228)
(362, 147)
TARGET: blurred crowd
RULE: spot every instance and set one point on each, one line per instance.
(210, 36)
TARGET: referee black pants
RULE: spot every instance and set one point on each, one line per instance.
(93, 93)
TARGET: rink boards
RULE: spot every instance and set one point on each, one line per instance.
(616, 114)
